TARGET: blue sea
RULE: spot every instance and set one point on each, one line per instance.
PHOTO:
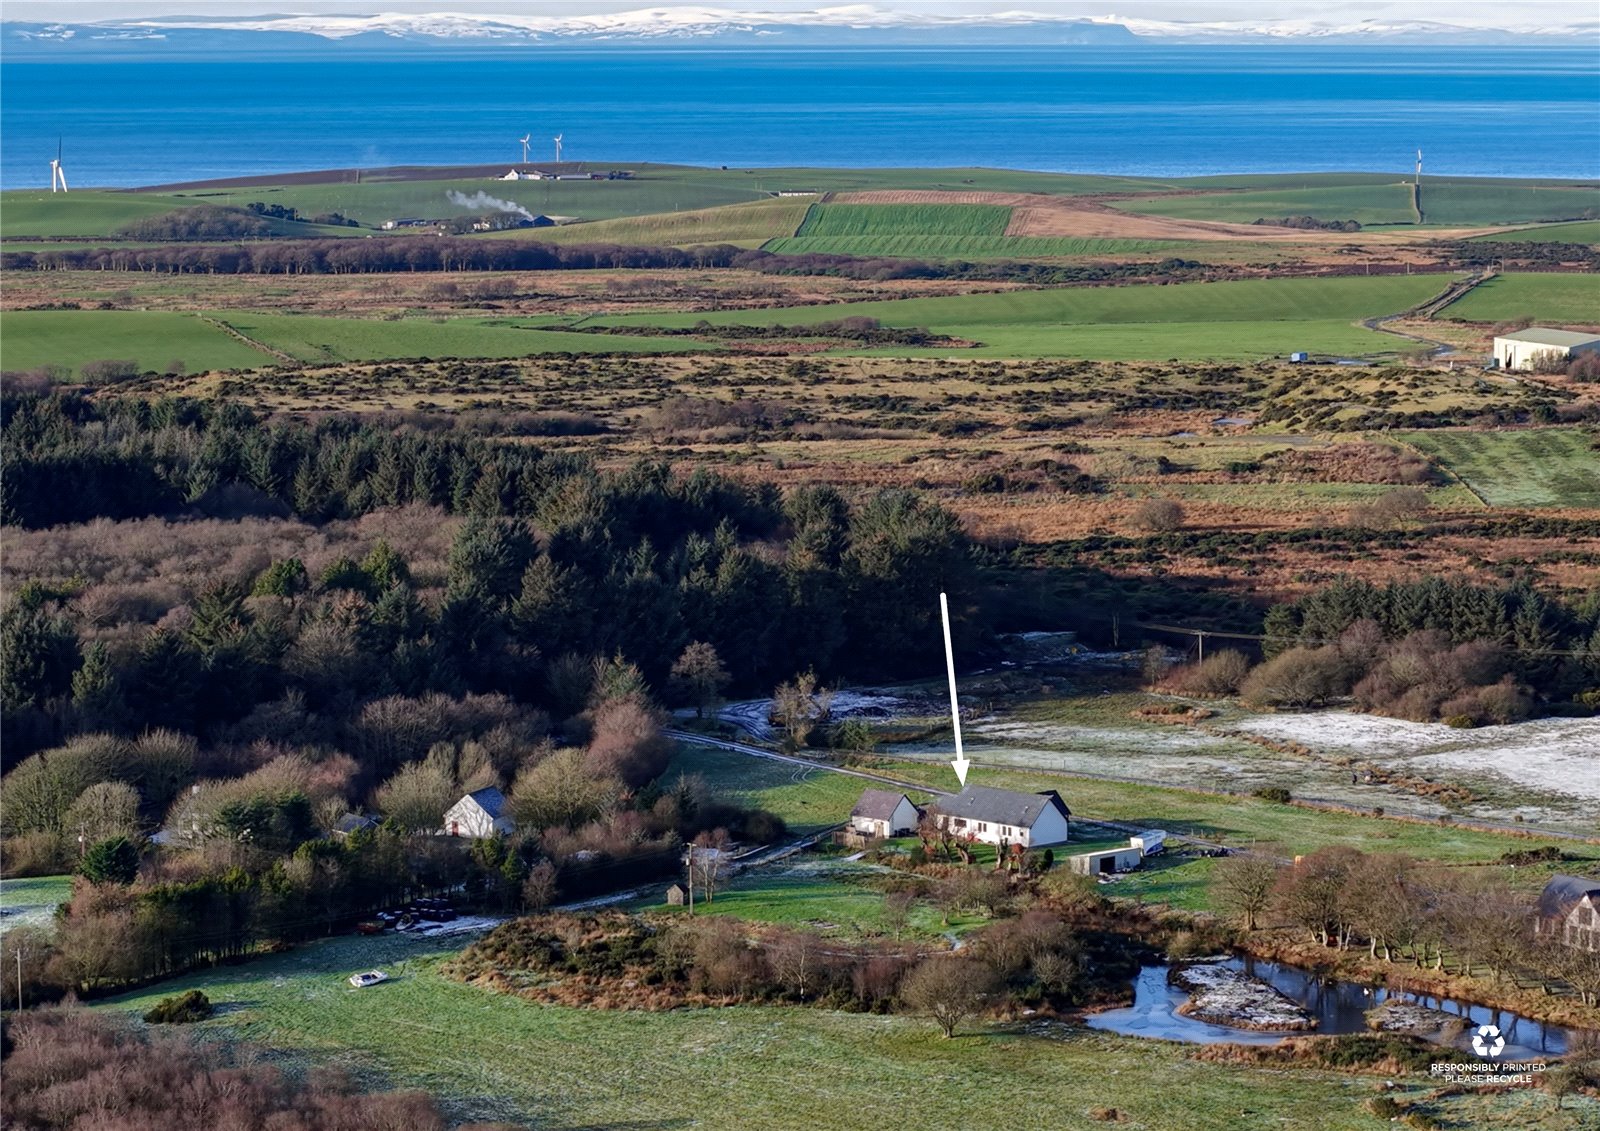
(1146, 110)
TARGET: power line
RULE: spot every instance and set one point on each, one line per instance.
(1205, 632)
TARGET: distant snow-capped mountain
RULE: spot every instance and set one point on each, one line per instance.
(854, 24)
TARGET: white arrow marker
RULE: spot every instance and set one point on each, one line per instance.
(960, 762)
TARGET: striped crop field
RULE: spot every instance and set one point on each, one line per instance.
(967, 247)
(906, 219)
(1542, 467)
(745, 224)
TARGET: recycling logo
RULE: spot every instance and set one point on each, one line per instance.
(1488, 1041)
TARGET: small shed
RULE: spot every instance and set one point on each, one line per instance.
(1106, 862)
(884, 813)
(677, 895)
(1299, 355)
(481, 813)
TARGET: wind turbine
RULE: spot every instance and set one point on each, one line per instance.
(58, 175)
(524, 139)
(557, 140)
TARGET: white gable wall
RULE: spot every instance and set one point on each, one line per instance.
(467, 818)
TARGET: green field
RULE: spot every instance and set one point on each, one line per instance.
(497, 1057)
(905, 220)
(1544, 467)
(807, 800)
(323, 339)
(1236, 821)
(1579, 231)
(970, 247)
(32, 902)
(1366, 203)
(35, 215)
(155, 339)
(1472, 204)
(88, 213)
(1250, 318)
(1449, 202)
(1542, 296)
(746, 224)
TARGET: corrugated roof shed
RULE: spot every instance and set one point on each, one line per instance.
(1540, 336)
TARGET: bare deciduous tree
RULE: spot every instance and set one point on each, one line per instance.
(949, 990)
(799, 705)
(1243, 885)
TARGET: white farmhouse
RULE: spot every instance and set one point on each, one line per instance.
(884, 813)
(1527, 348)
(481, 813)
(1029, 820)
(1569, 912)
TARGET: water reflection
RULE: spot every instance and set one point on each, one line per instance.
(1339, 1007)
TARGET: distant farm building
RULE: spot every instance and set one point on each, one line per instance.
(407, 222)
(1527, 349)
(1106, 862)
(1028, 820)
(677, 895)
(517, 175)
(1569, 912)
(884, 813)
(354, 823)
(481, 813)
(795, 192)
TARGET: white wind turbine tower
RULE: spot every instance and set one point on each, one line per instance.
(557, 140)
(58, 175)
(524, 139)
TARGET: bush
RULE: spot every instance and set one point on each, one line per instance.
(1300, 677)
(113, 861)
(108, 370)
(180, 1009)
(1219, 674)
(1157, 516)
(1273, 793)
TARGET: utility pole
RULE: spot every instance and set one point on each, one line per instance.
(1201, 636)
(20, 953)
(690, 860)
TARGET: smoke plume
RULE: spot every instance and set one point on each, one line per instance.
(482, 201)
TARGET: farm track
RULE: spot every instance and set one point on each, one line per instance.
(1427, 309)
(233, 332)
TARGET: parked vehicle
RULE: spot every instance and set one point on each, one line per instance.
(1151, 842)
(371, 927)
(370, 978)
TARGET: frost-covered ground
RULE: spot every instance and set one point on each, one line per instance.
(1560, 756)
(1225, 996)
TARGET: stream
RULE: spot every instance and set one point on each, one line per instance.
(1339, 1007)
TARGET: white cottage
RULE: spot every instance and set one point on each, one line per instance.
(1569, 912)
(481, 813)
(994, 815)
(884, 813)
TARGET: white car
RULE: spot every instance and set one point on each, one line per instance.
(370, 978)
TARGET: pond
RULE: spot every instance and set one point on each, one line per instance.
(1339, 1007)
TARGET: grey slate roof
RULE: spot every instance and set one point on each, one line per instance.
(877, 804)
(1001, 806)
(351, 822)
(490, 799)
(1540, 336)
(1563, 891)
